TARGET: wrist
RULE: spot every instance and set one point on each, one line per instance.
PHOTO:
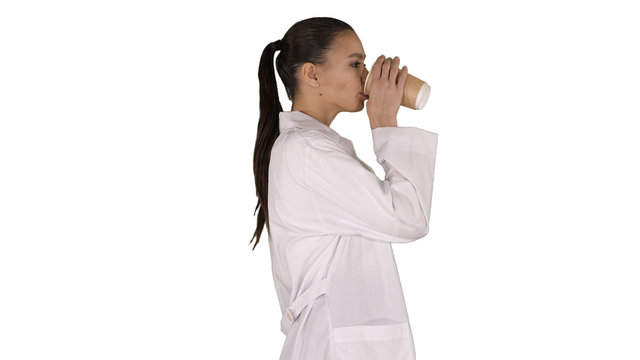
(391, 123)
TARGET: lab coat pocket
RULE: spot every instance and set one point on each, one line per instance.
(373, 342)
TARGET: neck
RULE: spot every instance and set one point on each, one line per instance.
(322, 115)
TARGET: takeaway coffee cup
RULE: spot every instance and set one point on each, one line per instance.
(416, 92)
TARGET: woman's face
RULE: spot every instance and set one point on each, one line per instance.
(342, 78)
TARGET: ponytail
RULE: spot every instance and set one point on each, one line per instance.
(268, 131)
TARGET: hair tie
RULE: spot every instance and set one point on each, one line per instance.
(277, 44)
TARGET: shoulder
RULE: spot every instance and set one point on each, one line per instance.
(305, 140)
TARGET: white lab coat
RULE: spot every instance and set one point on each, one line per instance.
(332, 223)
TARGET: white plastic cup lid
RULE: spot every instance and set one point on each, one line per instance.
(423, 96)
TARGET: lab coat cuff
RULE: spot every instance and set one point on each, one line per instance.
(402, 139)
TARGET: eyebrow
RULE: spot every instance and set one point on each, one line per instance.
(359, 55)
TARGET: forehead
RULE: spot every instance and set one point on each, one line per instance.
(348, 44)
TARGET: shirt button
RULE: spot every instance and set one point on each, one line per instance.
(289, 316)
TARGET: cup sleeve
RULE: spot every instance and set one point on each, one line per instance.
(349, 199)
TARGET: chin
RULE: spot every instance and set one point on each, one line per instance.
(354, 107)
(358, 108)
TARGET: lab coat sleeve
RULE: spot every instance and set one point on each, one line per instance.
(349, 199)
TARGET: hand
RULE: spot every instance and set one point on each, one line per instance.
(385, 94)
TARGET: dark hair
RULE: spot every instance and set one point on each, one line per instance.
(307, 40)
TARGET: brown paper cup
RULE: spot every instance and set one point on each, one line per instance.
(415, 95)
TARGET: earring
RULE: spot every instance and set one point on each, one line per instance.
(317, 84)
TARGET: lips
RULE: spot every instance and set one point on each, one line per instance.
(364, 95)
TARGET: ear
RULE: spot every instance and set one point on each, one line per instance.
(309, 74)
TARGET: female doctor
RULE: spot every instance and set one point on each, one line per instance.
(330, 219)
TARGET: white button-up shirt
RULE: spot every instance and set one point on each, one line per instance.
(332, 222)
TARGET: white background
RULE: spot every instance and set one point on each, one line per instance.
(127, 193)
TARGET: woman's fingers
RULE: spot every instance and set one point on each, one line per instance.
(376, 69)
(386, 64)
(393, 73)
(403, 76)
(387, 69)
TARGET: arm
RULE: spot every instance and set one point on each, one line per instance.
(351, 200)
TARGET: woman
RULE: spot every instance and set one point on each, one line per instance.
(330, 219)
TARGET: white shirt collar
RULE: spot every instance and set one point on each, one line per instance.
(300, 120)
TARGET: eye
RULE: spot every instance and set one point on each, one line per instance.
(358, 63)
